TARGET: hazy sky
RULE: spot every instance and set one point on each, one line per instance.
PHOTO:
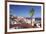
(23, 10)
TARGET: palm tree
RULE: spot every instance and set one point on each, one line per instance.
(31, 13)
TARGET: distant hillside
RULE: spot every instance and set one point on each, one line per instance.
(37, 18)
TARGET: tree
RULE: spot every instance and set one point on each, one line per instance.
(31, 13)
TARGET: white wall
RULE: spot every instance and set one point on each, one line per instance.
(2, 10)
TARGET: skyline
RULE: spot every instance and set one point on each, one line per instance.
(23, 10)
